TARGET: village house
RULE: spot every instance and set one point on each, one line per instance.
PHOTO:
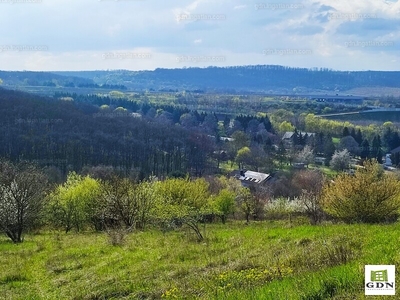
(288, 137)
(252, 178)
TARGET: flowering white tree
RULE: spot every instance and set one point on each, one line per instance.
(305, 156)
(22, 197)
(340, 160)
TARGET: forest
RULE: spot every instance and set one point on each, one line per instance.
(256, 78)
(150, 182)
(270, 79)
(72, 135)
(150, 135)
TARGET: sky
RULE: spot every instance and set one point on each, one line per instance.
(61, 35)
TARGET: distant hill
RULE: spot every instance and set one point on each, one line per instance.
(28, 78)
(257, 78)
(46, 83)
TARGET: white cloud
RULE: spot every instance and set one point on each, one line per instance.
(78, 33)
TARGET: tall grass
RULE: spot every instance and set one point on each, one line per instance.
(264, 260)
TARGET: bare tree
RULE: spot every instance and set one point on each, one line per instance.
(22, 194)
(118, 202)
(126, 203)
(310, 183)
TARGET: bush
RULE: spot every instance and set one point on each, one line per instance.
(310, 182)
(317, 254)
(117, 236)
(370, 196)
(281, 208)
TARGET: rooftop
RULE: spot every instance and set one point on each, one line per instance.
(289, 134)
(256, 177)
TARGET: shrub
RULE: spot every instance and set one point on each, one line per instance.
(224, 204)
(331, 252)
(310, 182)
(281, 208)
(117, 236)
(370, 196)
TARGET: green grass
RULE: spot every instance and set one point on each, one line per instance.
(227, 166)
(263, 260)
(326, 170)
(336, 140)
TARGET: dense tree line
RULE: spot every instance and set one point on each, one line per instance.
(246, 78)
(102, 86)
(30, 78)
(71, 135)
(74, 131)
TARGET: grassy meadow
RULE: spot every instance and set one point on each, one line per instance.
(262, 260)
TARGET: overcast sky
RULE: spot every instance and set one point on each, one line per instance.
(50, 35)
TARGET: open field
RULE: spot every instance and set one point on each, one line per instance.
(262, 260)
(379, 116)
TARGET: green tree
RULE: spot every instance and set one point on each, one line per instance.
(145, 195)
(120, 110)
(224, 204)
(329, 148)
(244, 156)
(285, 126)
(240, 140)
(105, 108)
(370, 196)
(116, 94)
(346, 132)
(365, 151)
(210, 124)
(358, 137)
(181, 202)
(281, 115)
(376, 149)
(73, 203)
(227, 121)
(246, 202)
(188, 120)
(353, 132)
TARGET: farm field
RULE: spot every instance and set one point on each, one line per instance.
(373, 116)
(262, 260)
